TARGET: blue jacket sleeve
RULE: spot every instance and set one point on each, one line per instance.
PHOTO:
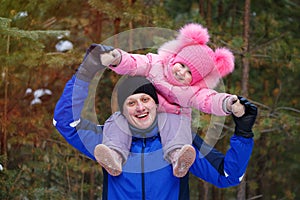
(80, 133)
(219, 169)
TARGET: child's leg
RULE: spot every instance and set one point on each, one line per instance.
(114, 150)
(116, 134)
(175, 131)
(176, 136)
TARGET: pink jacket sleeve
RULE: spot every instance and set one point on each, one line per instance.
(134, 64)
(203, 99)
(209, 101)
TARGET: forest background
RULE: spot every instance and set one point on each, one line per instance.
(37, 163)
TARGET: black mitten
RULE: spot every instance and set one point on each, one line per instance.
(91, 63)
(244, 124)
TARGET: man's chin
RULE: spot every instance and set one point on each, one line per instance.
(143, 125)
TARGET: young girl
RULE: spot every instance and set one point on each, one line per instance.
(183, 72)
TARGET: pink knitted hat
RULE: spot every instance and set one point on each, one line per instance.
(190, 49)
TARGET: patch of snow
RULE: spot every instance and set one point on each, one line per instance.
(64, 45)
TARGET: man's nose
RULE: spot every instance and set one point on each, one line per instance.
(140, 106)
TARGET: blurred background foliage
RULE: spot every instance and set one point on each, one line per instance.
(36, 162)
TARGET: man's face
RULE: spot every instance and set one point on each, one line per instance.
(140, 110)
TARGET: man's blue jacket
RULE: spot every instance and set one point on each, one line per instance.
(146, 175)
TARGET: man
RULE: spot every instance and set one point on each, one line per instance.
(146, 175)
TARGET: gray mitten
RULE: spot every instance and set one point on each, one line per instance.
(91, 63)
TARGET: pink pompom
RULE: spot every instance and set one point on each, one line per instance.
(195, 32)
(224, 61)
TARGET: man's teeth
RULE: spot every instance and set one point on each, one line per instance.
(142, 115)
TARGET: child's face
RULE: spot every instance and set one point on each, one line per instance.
(182, 74)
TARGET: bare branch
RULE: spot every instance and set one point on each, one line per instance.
(269, 130)
(266, 44)
(287, 108)
(256, 197)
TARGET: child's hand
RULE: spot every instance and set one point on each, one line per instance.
(238, 109)
(234, 106)
(111, 58)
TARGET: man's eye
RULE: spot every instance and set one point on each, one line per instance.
(145, 99)
(131, 103)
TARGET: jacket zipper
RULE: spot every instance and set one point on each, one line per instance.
(143, 169)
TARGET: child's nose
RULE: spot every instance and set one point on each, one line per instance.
(183, 71)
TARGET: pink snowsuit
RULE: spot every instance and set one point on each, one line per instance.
(198, 96)
(151, 66)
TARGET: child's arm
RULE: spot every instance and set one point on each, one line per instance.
(123, 63)
(220, 104)
(116, 134)
(204, 99)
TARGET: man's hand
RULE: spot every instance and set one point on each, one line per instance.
(244, 124)
(111, 58)
(91, 63)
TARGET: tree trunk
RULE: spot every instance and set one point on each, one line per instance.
(241, 191)
(233, 16)
(204, 190)
(130, 24)
(201, 8)
(212, 137)
(3, 141)
(81, 187)
(92, 183)
(208, 16)
(245, 59)
(97, 26)
(4, 121)
(117, 23)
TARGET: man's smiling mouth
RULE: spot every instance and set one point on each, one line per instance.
(140, 116)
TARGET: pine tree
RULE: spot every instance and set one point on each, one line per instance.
(22, 53)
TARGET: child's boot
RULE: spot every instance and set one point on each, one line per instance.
(110, 159)
(182, 159)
